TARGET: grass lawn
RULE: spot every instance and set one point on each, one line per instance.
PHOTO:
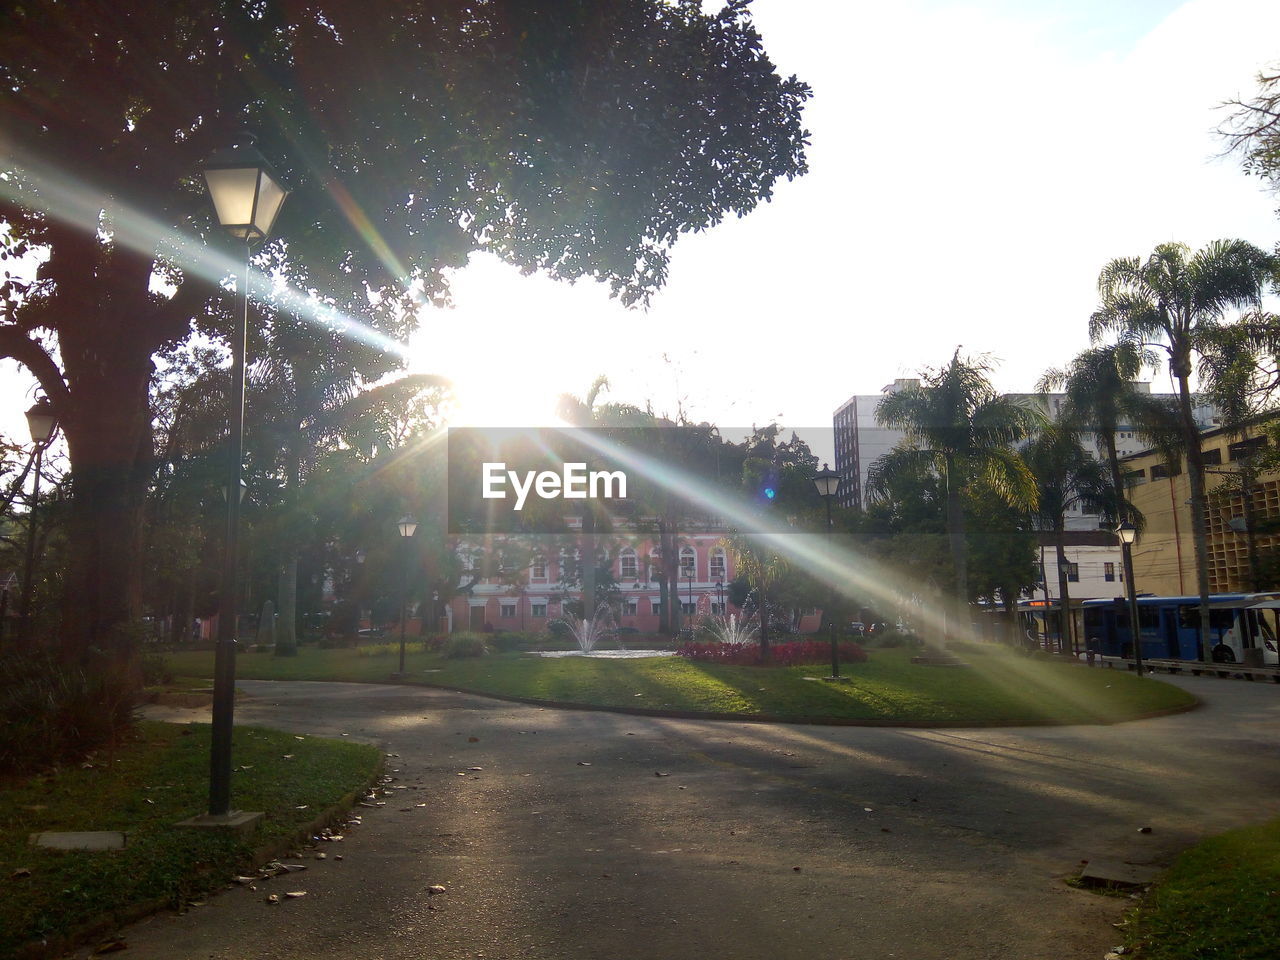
(999, 688)
(151, 783)
(1221, 899)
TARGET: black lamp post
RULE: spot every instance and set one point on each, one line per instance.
(720, 596)
(43, 423)
(407, 527)
(247, 196)
(689, 577)
(1127, 533)
(828, 481)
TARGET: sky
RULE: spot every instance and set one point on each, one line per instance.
(973, 166)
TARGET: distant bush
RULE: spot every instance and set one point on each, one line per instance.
(509, 641)
(155, 672)
(53, 714)
(895, 638)
(786, 654)
(460, 645)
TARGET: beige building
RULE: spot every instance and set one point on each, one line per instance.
(1164, 556)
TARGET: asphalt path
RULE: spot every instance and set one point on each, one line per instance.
(598, 836)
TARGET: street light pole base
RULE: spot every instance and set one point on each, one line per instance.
(237, 821)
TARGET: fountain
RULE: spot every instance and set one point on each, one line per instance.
(590, 632)
(732, 630)
(600, 627)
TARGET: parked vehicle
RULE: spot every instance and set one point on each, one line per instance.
(1242, 626)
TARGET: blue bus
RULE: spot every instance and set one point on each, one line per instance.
(1169, 627)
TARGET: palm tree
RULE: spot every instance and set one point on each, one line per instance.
(1066, 477)
(960, 429)
(1102, 399)
(1176, 303)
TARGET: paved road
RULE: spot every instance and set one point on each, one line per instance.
(759, 841)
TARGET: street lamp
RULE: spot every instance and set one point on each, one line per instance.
(407, 527)
(827, 482)
(720, 597)
(247, 196)
(1127, 533)
(43, 423)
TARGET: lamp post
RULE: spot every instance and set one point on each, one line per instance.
(689, 577)
(247, 196)
(43, 423)
(407, 527)
(827, 482)
(720, 597)
(1127, 533)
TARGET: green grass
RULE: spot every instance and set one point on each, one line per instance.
(1221, 899)
(160, 777)
(999, 687)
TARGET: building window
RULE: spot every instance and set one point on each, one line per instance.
(1073, 572)
(627, 565)
(717, 565)
(688, 564)
(1212, 458)
(538, 609)
(688, 609)
(1109, 572)
(506, 609)
(631, 607)
(1039, 570)
(717, 609)
(655, 607)
(538, 569)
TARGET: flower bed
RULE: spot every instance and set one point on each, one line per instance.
(789, 654)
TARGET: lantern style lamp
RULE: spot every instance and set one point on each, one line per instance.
(246, 192)
(1127, 533)
(41, 421)
(827, 481)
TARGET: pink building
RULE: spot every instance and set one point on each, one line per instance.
(706, 568)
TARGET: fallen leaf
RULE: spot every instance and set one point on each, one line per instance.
(110, 946)
(296, 894)
(473, 739)
(659, 773)
(435, 890)
(584, 763)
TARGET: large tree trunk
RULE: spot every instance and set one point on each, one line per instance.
(1195, 474)
(107, 422)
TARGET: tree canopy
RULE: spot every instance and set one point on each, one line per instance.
(578, 137)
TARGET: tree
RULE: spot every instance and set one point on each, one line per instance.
(580, 138)
(761, 568)
(1176, 302)
(1066, 476)
(1102, 398)
(960, 429)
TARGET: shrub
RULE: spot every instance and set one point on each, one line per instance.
(461, 645)
(787, 654)
(52, 714)
(155, 672)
